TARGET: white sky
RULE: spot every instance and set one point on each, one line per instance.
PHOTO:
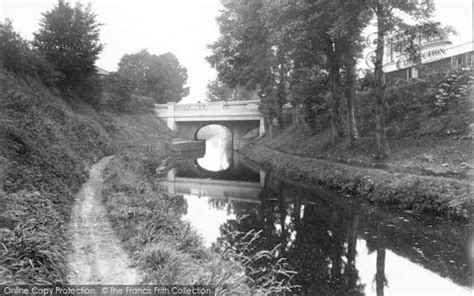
(183, 27)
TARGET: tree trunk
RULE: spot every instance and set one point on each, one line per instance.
(353, 132)
(380, 134)
(336, 122)
(269, 126)
(337, 130)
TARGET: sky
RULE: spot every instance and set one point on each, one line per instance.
(183, 27)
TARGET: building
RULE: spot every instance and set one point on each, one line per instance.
(436, 55)
(101, 72)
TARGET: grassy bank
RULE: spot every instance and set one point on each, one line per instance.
(46, 147)
(449, 157)
(421, 194)
(47, 144)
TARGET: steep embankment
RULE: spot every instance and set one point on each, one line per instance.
(47, 144)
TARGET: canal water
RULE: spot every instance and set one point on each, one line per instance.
(336, 245)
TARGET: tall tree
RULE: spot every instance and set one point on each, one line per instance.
(351, 19)
(245, 55)
(68, 38)
(327, 39)
(159, 76)
(388, 18)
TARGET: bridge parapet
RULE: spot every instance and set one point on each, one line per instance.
(213, 112)
(212, 109)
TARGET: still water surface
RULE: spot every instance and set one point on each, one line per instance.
(337, 246)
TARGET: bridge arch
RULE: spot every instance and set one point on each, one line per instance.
(212, 125)
(218, 156)
(239, 116)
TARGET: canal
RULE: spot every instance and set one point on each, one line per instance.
(336, 245)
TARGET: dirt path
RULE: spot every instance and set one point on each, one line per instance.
(97, 256)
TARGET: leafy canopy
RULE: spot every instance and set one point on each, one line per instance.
(159, 76)
(68, 38)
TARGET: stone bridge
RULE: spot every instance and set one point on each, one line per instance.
(242, 118)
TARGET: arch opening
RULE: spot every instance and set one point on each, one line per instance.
(219, 143)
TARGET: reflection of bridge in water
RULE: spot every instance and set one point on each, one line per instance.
(226, 190)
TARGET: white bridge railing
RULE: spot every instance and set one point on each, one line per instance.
(212, 111)
(233, 108)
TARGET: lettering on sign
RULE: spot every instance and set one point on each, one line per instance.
(425, 57)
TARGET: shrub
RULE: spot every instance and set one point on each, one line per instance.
(453, 88)
(118, 91)
(435, 105)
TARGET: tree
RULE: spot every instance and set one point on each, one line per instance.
(219, 91)
(68, 38)
(388, 21)
(159, 76)
(247, 54)
(325, 43)
(15, 52)
(351, 18)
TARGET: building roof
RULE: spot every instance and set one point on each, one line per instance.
(101, 71)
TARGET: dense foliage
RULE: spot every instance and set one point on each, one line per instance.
(305, 53)
(62, 54)
(219, 91)
(435, 105)
(159, 76)
(18, 56)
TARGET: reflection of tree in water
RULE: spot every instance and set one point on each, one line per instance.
(380, 279)
(319, 248)
(312, 238)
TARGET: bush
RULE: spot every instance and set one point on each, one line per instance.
(453, 88)
(118, 92)
(435, 105)
(89, 90)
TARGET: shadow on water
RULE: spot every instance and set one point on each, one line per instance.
(337, 246)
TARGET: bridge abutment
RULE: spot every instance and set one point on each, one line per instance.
(171, 122)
